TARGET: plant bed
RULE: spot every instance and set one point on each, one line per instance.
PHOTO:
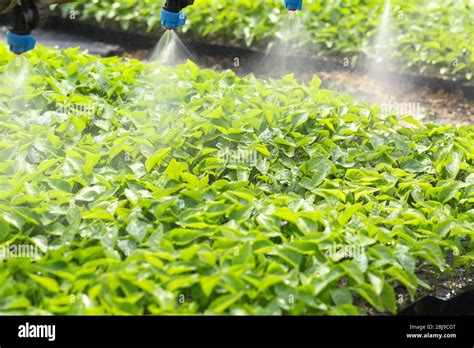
(174, 190)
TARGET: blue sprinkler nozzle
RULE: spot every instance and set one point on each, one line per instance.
(294, 5)
(172, 20)
(20, 44)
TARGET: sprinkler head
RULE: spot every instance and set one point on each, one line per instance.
(20, 44)
(172, 15)
(294, 5)
(172, 20)
(26, 17)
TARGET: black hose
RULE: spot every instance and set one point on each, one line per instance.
(26, 18)
(177, 5)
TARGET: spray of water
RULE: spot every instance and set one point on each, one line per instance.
(277, 59)
(16, 74)
(383, 85)
(383, 49)
(14, 81)
(171, 50)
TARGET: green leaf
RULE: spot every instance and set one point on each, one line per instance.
(315, 82)
(368, 293)
(209, 283)
(353, 271)
(405, 258)
(389, 298)
(48, 283)
(377, 282)
(79, 124)
(184, 236)
(4, 230)
(101, 214)
(137, 229)
(157, 158)
(223, 302)
(174, 170)
(448, 191)
(433, 254)
(341, 296)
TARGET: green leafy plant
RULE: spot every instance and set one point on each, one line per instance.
(150, 189)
